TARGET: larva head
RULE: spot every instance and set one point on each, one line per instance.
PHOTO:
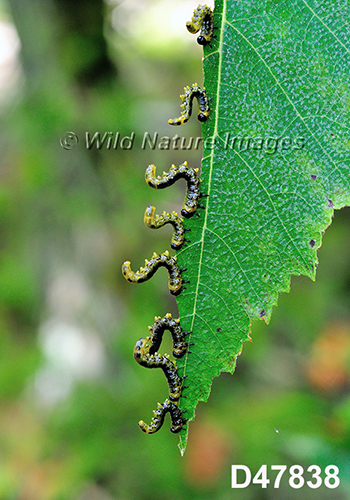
(188, 210)
(202, 117)
(202, 40)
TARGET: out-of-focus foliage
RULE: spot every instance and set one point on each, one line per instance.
(71, 393)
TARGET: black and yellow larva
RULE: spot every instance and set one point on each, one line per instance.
(177, 420)
(175, 173)
(156, 360)
(154, 221)
(145, 354)
(178, 335)
(187, 101)
(203, 20)
(145, 350)
(175, 281)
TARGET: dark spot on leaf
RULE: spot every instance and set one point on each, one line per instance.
(330, 203)
(312, 243)
(262, 313)
(314, 177)
(332, 135)
(219, 330)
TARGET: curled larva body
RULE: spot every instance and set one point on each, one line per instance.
(187, 102)
(183, 171)
(154, 221)
(156, 360)
(145, 273)
(177, 421)
(178, 335)
(203, 20)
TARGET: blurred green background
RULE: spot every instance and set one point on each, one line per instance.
(71, 393)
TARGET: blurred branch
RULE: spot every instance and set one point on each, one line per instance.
(65, 36)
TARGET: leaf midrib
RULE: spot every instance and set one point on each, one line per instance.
(211, 156)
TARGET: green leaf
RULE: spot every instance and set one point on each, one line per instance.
(278, 75)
